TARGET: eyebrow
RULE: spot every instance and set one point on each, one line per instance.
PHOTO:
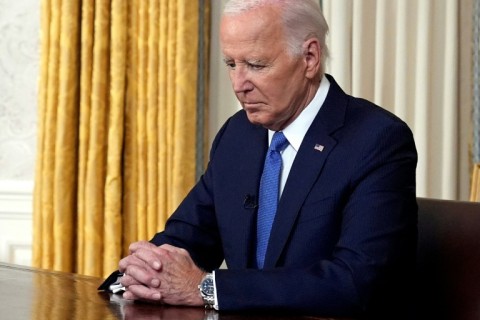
(248, 61)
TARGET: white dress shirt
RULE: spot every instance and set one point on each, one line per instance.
(295, 132)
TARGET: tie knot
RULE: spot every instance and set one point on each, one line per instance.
(279, 142)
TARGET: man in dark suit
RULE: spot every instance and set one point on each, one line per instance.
(342, 238)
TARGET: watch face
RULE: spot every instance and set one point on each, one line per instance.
(207, 287)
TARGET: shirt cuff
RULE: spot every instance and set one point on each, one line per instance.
(215, 306)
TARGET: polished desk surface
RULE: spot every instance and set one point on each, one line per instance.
(27, 293)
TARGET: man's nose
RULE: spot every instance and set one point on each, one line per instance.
(240, 80)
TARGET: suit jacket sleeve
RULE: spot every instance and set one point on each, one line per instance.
(193, 226)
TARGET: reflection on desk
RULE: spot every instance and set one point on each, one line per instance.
(27, 293)
(137, 310)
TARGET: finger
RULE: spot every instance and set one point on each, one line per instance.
(142, 293)
(141, 245)
(140, 275)
(173, 249)
(127, 281)
(150, 257)
(129, 260)
(127, 295)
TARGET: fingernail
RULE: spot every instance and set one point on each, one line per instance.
(156, 296)
(156, 265)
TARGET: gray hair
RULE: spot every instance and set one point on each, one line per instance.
(302, 20)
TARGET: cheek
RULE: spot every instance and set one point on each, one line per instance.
(279, 88)
(282, 95)
(272, 90)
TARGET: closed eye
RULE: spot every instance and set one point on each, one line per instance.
(230, 64)
(255, 66)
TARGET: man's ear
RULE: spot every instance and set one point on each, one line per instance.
(312, 55)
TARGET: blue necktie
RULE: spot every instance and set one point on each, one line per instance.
(269, 191)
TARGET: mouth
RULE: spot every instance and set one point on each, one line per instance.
(252, 105)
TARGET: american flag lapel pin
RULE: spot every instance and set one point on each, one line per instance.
(319, 147)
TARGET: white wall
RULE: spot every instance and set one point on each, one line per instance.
(19, 61)
(223, 102)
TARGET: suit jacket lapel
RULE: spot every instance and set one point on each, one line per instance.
(308, 164)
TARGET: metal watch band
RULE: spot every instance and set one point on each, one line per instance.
(208, 301)
(207, 289)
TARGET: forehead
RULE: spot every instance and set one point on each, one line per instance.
(257, 29)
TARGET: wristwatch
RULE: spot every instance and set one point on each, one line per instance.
(207, 290)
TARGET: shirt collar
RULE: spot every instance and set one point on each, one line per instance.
(296, 131)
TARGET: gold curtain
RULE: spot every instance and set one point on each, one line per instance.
(475, 189)
(117, 148)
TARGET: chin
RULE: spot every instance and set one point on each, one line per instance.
(260, 118)
(254, 118)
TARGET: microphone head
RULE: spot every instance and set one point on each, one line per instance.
(250, 202)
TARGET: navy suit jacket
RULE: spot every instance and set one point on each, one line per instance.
(343, 241)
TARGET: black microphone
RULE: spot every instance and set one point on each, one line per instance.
(250, 202)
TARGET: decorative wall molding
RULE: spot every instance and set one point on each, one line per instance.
(18, 252)
(16, 198)
(16, 221)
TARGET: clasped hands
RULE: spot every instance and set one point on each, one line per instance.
(164, 274)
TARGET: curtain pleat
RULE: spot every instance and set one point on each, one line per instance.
(56, 172)
(114, 183)
(141, 134)
(38, 201)
(47, 145)
(164, 100)
(86, 48)
(450, 98)
(152, 123)
(130, 174)
(403, 55)
(65, 177)
(338, 14)
(185, 121)
(117, 128)
(475, 189)
(475, 179)
(421, 101)
(171, 51)
(400, 76)
(382, 52)
(363, 57)
(96, 127)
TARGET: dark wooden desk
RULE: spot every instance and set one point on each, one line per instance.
(27, 293)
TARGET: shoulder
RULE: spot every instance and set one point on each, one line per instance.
(368, 113)
(357, 114)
